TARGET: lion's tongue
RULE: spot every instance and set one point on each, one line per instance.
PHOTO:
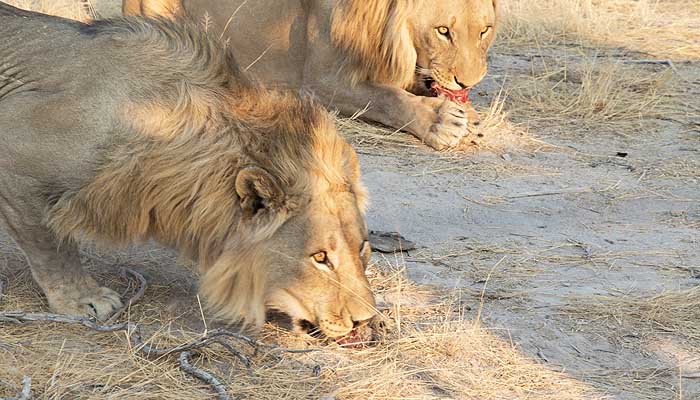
(458, 96)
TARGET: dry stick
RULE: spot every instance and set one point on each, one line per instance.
(241, 357)
(136, 297)
(204, 376)
(26, 392)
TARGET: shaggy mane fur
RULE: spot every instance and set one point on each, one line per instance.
(173, 180)
(374, 37)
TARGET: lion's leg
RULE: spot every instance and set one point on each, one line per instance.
(55, 266)
(438, 122)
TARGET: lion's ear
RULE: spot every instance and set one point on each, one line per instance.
(258, 191)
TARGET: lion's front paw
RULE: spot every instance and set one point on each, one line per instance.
(96, 302)
(101, 303)
(444, 123)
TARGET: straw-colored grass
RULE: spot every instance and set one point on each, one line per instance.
(646, 323)
(590, 90)
(601, 64)
(669, 313)
(495, 133)
(668, 29)
(435, 347)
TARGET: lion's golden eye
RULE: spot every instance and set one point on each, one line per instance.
(443, 30)
(321, 257)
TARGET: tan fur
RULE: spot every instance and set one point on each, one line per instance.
(374, 40)
(249, 183)
(151, 8)
(379, 39)
(369, 55)
(192, 209)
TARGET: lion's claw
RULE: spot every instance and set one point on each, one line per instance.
(101, 303)
(92, 301)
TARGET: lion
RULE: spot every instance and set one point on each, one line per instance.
(385, 60)
(126, 130)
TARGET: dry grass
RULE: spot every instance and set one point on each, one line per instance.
(590, 90)
(495, 133)
(75, 9)
(595, 63)
(435, 348)
(667, 29)
(663, 323)
(670, 313)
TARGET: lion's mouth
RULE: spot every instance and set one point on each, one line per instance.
(458, 96)
(360, 337)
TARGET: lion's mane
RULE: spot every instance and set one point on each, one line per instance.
(173, 180)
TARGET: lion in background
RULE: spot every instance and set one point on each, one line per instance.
(385, 59)
(125, 130)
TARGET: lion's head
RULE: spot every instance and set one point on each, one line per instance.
(415, 42)
(312, 265)
(330, 290)
(305, 211)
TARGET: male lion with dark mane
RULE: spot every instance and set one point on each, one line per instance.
(124, 130)
(396, 61)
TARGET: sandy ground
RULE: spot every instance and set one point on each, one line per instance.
(593, 215)
(574, 240)
(552, 228)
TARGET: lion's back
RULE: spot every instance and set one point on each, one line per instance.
(66, 87)
(68, 90)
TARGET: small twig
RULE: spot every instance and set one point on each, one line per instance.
(26, 392)
(204, 376)
(555, 193)
(241, 357)
(26, 388)
(483, 289)
(143, 284)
